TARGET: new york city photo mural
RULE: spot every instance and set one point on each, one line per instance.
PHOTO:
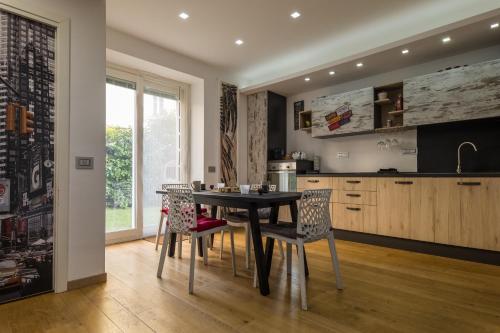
(27, 62)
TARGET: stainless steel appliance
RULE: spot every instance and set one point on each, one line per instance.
(283, 174)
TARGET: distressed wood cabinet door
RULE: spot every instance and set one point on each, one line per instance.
(463, 93)
(345, 113)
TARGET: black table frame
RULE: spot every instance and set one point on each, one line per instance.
(252, 203)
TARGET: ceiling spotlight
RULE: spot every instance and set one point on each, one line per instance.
(238, 42)
(405, 51)
(295, 15)
(331, 72)
(307, 79)
(359, 64)
(184, 15)
(494, 25)
(446, 39)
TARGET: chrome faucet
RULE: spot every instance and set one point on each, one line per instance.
(459, 168)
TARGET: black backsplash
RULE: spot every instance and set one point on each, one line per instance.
(437, 146)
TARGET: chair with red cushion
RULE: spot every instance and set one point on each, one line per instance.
(164, 212)
(182, 219)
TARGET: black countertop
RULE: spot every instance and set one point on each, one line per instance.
(400, 174)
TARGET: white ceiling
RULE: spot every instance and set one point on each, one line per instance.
(276, 46)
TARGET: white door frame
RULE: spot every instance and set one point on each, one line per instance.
(62, 117)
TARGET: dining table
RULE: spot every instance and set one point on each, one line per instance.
(251, 202)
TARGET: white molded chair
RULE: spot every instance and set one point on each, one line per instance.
(182, 219)
(313, 224)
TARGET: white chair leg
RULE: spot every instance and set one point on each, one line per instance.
(205, 250)
(282, 253)
(179, 246)
(289, 258)
(221, 243)
(233, 255)
(247, 245)
(302, 275)
(335, 261)
(192, 264)
(163, 254)
(158, 233)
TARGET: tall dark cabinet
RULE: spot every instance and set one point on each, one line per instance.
(266, 129)
(276, 126)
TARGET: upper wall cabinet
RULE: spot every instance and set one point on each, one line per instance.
(464, 93)
(346, 113)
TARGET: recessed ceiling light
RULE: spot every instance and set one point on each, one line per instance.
(359, 64)
(238, 42)
(295, 15)
(405, 51)
(446, 39)
(307, 79)
(494, 25)
(184, 15)
(331, 72)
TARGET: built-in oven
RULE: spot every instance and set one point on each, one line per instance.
(283, 174)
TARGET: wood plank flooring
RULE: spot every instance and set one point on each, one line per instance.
(386, 290)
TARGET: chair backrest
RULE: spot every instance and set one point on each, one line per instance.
(181, 210)
(314, 214)
(164, 197)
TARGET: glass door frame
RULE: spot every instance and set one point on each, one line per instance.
(181, 90)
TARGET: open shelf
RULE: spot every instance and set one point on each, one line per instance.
(305, 120)
(386, 116)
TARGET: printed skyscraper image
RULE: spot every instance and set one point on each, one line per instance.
(27, 90)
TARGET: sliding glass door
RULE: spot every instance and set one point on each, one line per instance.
(146, 124)
(161, 148)
(120, 129)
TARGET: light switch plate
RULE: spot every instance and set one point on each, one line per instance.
(409, 151)
(211, 169)
(342, 154)
(85, 163)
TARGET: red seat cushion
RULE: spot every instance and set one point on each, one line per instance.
(165, 210)
(205, 223)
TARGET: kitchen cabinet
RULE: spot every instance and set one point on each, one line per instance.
(266, 121)
(353, 217)
(479, 207)
(311, 183)
(358, 183)
(345, 113)
(464, 93)
(394, 205)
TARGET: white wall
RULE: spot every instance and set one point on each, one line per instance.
(364, 155)
(205, 116)
(87, 135)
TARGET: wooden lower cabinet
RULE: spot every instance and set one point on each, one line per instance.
(361, 218)
(394, 198)
(479, 207)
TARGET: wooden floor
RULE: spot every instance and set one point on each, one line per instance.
(386, 290)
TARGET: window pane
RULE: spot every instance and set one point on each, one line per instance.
(120, 111)
(161, 142)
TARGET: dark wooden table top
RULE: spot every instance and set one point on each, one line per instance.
(238, 200)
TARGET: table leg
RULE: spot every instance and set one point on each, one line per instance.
(273, 219)
(173, 238)
(294, 214)
(260, 261)
(200, 243)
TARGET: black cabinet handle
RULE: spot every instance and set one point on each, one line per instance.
(353, 181)
(353, 195)
(356, 209)
(313, 181)
(399, 182)
(469, 183)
